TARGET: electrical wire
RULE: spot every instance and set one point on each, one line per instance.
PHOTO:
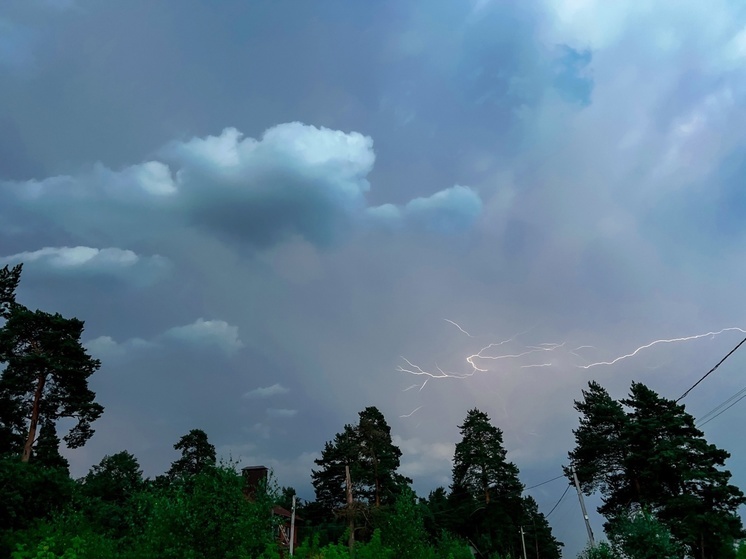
(720, 405)
(547, 481)
(725, 409)
(692, 387)
(558, 502)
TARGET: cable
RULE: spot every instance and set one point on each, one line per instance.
(731, 352)
(720, 405)
(558, 502)
(547, 481)
(722, 411)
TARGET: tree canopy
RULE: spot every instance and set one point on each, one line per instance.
(373, 460)
(46, 373)
(197, 453)
(644, 453)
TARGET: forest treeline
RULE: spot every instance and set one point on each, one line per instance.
(664, 488)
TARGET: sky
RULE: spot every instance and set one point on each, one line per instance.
(273, 214)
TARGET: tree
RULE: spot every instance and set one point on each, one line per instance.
(196, 454)
(486, 491)
(380, 458)
(642, 536)
(9, 279)
(538, 532)
(46, 375)
(645, 453)
(109, 489)
(404, 531)
(479, 464)
(211, 518)
(47, 450)
(373, 459)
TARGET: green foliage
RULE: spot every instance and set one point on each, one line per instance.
(642, 536)
(196, 454)
(373, 459)
(47, 451)
(43, 352)
(208, 518)
(67, 536)
(645, 452)
(479, 464)
(110, 493)
(486, 492)
(404, 530)
(601, 550)
(30, 492)
(9, 279)
(450, 547)
(538, 532)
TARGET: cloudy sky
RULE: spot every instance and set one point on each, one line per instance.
(272, 214)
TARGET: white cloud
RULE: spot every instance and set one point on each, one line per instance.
(451, 210)
(210, 333)
(296, 180)
(266, 391)
(105, 347)
(91, 261)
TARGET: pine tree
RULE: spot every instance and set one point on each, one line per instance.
(47, 450)
(9, 279)
(373, 459)
(479, 464)
(645, 453)
(46, 376)
(486, 491)
(196, 454)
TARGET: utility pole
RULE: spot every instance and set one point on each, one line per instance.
(523, 543)
(582, 507)
(350, 512)
(292, 528)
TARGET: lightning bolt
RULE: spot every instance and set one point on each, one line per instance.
(479, 362)
(459, 327)
(656, 342)
(410, 414)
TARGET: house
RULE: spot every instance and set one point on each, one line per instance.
(254, 476)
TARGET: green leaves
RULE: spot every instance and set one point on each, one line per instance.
(46, 374)
(373, 459)
(9, 279)
(196, 454)
(644, 452)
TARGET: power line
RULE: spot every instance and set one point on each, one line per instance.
(692, 387)
(720, 405)
(544, 482)
(558, 502)
(741, 392)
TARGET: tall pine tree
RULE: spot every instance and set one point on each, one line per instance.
(645, 453)
(373, 459)
(46, 373)
(486, 492)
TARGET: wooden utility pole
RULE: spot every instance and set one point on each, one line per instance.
(523, 543)
(292, 528)
(582, 507)
(350, 512)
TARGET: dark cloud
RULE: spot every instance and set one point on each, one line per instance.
(600, 144)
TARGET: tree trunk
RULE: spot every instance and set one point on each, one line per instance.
(486, 487)
(378, 483)
(34, 418)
